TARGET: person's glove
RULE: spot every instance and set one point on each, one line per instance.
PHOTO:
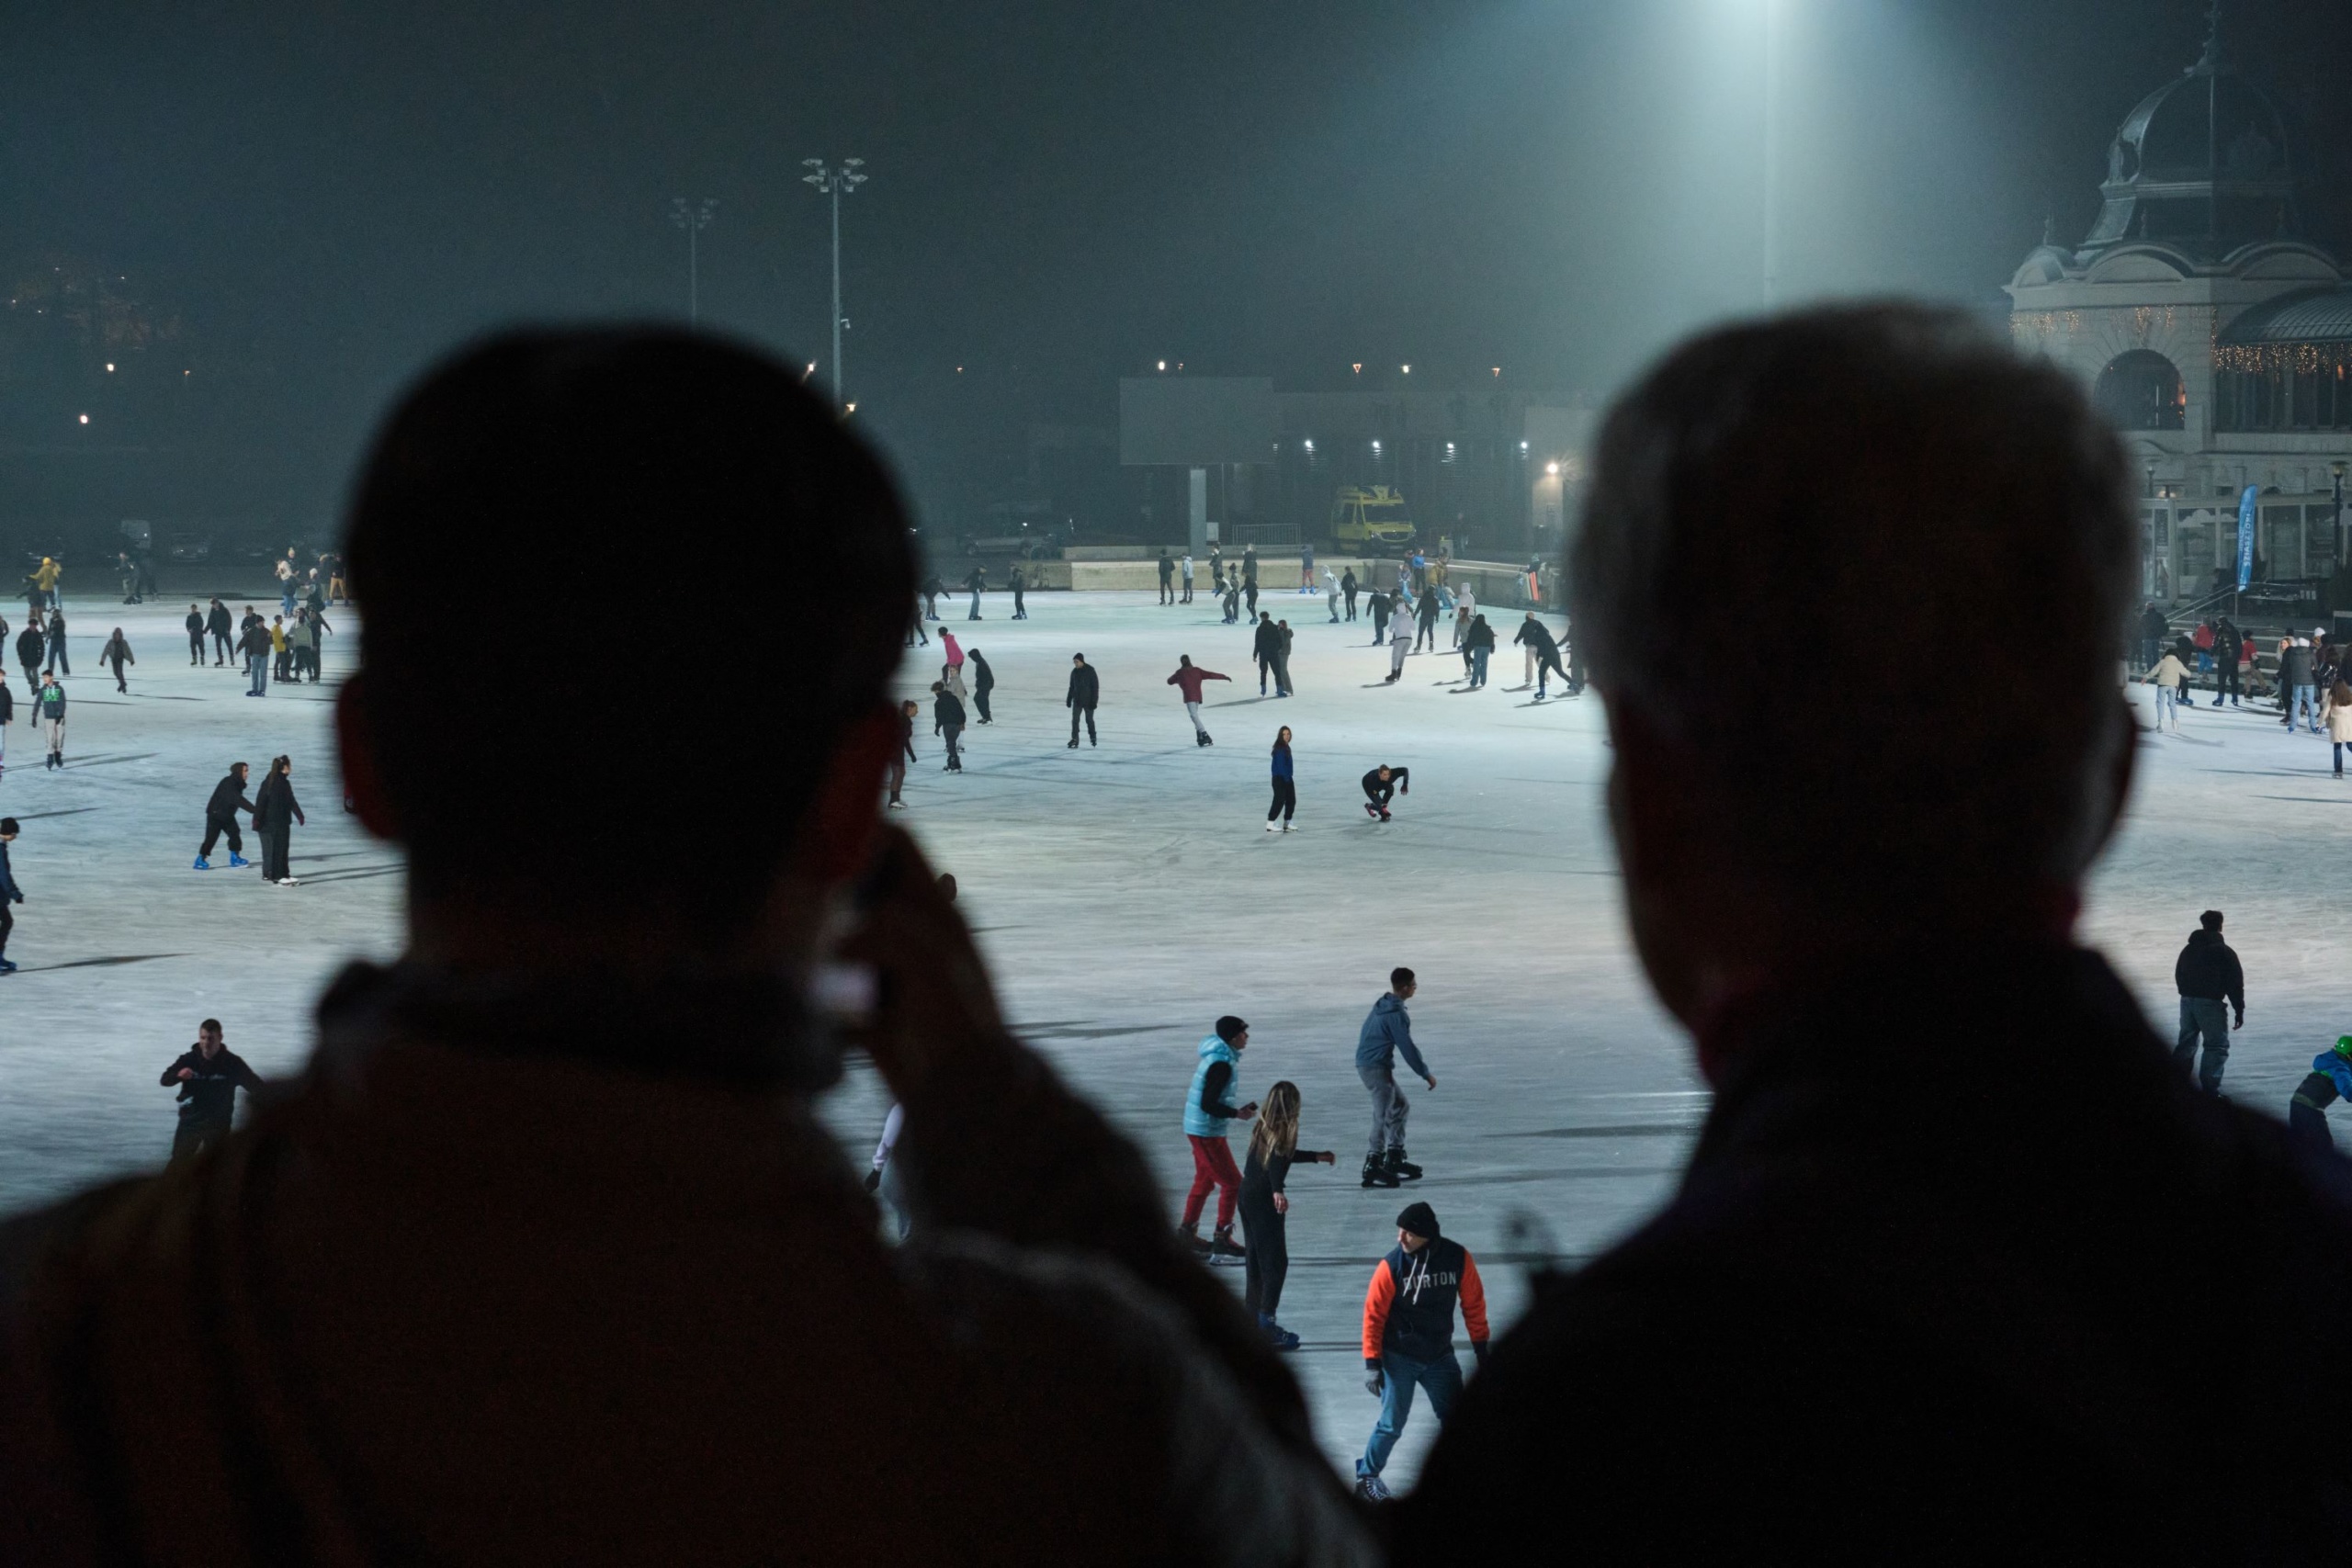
(1373, 1379)
(873, 1179)
(1478, 1351)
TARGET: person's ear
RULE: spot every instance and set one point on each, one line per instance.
(362, 785)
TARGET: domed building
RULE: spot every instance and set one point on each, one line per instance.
(2214, 334)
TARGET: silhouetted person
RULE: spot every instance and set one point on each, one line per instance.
(1957, 1252)
(546, 1256)
(1085, 692)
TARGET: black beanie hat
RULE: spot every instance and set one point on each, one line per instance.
(1227, 1027)
(1420, 1219)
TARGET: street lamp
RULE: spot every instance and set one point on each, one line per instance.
(694, 220)
(1771, 152)
(832, 181)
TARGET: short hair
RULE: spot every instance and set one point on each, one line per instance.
(1804, 478)
(1229, 1029)
(1399, 976)
(8, 824)
(589, 452)
(211, 1023)
(2210, 919)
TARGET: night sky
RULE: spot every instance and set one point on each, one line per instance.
(306, 203)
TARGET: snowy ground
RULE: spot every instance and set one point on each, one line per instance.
(1127, 895)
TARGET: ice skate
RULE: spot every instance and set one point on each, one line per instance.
(236, 860)
(1224, 1251)
(1376, 1172)
(1403, 1169)
(1372, 1489)
(1192, 1240)
(1270, 827)
(202, 864)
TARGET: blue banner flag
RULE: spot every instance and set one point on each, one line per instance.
(2245, 537)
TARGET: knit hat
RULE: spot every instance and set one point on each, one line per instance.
(1229, 1027)
(1419, 1219)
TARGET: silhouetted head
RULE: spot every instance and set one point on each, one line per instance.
(1810, 476)
(587, 452)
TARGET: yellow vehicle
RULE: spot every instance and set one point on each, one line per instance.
(1375, 517)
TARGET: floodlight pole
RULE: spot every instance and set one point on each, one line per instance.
(694, 220)
(832, 182)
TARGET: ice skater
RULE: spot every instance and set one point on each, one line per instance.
(1208, 1113)
(948, 722)
(2335, 717)
(1020, 603)
(1408, 1333)
(56, 658)
(2329, 1080)
(1332, 595)
(1266, 1208)
(254, 643)
(1187, 681)
(1306, 567)
(977, 585)
(11, 893)
(221, 817)
(117, 653)
(908, 710)
(1388, 1032)
(1425, 619)
(217, 627)
(1285, 786)
(275, 812)
(1187, 570)
(1232, 594)
(207, 1075)
(51, 704)
(1085, 692)
(882, 1180)
(1265, 643)
(1542, 654)
(195, 634)
(1477, 648)
(1382, 784)
(1166, 578)
(983, 682)
(1400, 643)
(1347, 590)
(1377, 609)
(7, 717)
(30, 643)
(2166, 676)
(2210, 980)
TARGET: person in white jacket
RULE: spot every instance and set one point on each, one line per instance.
(1400, 643)
(2166, 677)
(1331, 593)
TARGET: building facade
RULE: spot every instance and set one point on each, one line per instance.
(2215, 336)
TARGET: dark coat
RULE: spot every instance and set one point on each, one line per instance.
(1085, 687)
(2209, 967)
(273, 804)
(1895, 1313)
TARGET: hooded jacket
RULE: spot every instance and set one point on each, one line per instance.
(228, 799)
(1409, 1309)
(1200, 1120)
(1386, 1032)
(1085, 687)
(2208, 969)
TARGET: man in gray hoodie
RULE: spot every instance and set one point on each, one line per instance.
(1387, 1031)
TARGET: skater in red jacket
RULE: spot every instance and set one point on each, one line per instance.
(1188, 679)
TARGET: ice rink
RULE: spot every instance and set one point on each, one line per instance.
(1127, 895)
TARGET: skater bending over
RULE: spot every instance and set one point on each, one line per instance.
(1382, 784)
(2329, 1080)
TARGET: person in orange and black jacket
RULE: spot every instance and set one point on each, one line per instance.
(1408, 1333)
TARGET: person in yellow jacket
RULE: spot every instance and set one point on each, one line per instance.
(44, 581)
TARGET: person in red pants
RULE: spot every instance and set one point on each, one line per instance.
(1208, 1113)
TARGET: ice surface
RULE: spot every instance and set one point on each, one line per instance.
(1126, 894)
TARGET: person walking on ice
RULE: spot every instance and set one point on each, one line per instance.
(1187, 680)
(976, 584)
(9, 892)
(195, 634)
(1285, 786)
(1265, 1207)
(983, 682)
(1382, 784)
(1166, 578)
(1208, 1113)
(947, 723)
(1085, 692)
(117, 653)
(50, 702)
(1400, 643)
(1386, 1033)
(2329, 1080)
(1408, 1333)
(2208, 976)
(1332, 595)
(207, 1075)
(1187, 570)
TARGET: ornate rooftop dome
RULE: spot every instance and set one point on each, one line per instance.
(2204, 164)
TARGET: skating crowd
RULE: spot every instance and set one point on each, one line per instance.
(546, 1256)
